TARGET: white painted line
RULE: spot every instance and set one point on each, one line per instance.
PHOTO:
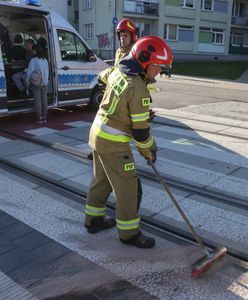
(203, 149)
(41, 131)
(78, 124)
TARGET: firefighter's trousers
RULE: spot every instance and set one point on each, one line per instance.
(115, 172)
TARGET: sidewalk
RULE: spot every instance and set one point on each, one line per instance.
(240, 83)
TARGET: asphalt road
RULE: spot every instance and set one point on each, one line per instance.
(177, 92)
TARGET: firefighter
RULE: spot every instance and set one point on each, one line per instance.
(127, 35)
(123, 117)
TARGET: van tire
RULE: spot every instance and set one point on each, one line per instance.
(95, 99)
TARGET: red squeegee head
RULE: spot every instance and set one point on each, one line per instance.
(204, 263)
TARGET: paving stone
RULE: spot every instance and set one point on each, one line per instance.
(74, 296)
(16, 147)
(5, 245)
(14, 259)
(76, 133)
(30, 272)
(121, 289)
(17, 230)
(54, 138)
(6, 220)
(70, 264)
(31, 241)
(50, 251)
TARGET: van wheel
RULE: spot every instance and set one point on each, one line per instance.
(95, 99)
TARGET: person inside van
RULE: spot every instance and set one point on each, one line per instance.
(37, 80)
(43, 43)
(19, 52)
(19, 78)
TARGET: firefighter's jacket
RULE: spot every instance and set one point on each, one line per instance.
(124, 111)
(103, 76)
(121, 53)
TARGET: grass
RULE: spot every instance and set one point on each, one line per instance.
(213, 69)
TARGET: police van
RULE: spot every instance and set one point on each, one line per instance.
(73, 66)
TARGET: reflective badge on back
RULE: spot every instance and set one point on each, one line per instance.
(146, 101)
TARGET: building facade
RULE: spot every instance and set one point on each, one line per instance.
(239, 28)
(192, 28)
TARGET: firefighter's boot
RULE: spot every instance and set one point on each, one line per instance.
(100, 223)
(140, 241)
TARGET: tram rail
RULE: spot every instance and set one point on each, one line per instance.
(143, 173)
(155, 227)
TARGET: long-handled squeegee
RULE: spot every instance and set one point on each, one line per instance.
(204, 263)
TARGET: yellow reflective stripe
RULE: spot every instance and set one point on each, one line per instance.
(127, 225)
(140, 117)
(111, 137)
(144, 145)
(118, 82)
(113, 105)
(95, 211)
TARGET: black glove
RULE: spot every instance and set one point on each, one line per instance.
(151, 115)
(102, 85)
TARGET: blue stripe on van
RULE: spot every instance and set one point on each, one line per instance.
(2, 84)
(75, 79)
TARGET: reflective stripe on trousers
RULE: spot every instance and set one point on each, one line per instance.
(95, 211)
(127, 225)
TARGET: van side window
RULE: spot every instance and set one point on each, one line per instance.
(71, 47)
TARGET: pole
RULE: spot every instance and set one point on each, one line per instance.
(114, 40)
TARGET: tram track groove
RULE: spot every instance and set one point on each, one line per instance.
(161, 229)
(192, 189)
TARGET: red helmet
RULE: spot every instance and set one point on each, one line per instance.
(127, 25)
(151, 50)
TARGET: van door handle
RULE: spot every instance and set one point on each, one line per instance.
(65, 68)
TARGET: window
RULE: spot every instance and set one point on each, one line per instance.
(237, 39)
(87, 4)
(88, 31)
(238, 9)
(69, 2)
(207, 4)
(188, 3)
(170, 32)
(185, 27)
(71, 46)
(218, 36)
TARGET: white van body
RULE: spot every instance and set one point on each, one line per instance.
(73, 66)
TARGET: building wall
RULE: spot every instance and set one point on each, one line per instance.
(59, 6)
(194, 39)
(195, 28)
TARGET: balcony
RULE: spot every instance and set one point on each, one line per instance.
(149, 8)
(241, 21)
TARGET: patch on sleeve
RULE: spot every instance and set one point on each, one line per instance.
(146, 101)
(129, 167)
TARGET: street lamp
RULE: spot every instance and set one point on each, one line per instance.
(114, 27)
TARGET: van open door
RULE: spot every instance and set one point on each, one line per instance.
(3, 95)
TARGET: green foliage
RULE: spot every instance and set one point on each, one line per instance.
(214, 69)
